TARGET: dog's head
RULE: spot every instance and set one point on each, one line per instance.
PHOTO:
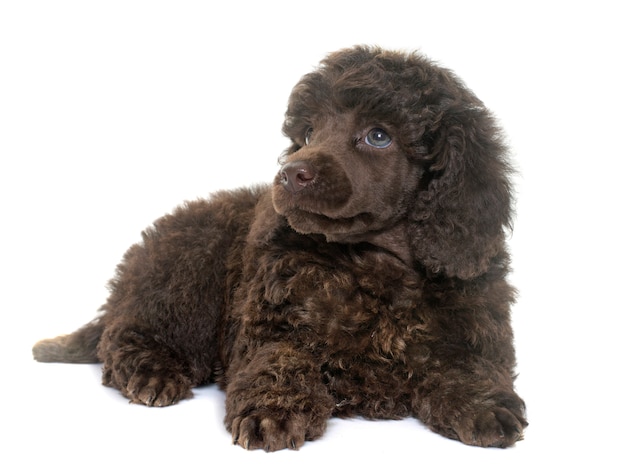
(385, 139)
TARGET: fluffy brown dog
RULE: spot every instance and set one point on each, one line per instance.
(369, 279)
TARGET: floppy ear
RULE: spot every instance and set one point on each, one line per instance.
(462, 213)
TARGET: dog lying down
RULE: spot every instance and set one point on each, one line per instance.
(369, 278)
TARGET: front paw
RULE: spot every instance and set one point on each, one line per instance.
(497, 424)
(273, 431)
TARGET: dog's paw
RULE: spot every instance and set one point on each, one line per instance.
(271, 432)
(158, 390)
(496, 425)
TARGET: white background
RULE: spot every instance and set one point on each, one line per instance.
(112, 113)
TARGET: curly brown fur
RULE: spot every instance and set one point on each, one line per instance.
(368, 279)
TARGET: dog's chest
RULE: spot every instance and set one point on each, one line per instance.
(363, 303)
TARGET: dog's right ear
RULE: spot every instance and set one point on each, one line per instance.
(461, 216)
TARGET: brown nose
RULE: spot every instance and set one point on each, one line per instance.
(295, 176)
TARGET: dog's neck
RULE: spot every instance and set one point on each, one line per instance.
(394, 240)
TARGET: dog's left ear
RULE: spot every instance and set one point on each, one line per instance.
(462, 214)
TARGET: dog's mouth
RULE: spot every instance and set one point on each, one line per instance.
(315, 197)
(318, 197)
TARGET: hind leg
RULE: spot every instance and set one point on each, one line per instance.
(144, 370)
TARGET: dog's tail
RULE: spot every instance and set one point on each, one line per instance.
(78, 347)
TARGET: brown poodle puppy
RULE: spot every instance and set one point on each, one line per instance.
(368, 279)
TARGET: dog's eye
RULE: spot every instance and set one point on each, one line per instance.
(378, 138)
(307, 135)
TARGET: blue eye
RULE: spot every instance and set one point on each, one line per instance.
(307, 135)
(378, 138)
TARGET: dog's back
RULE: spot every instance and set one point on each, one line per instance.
(182, 262)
